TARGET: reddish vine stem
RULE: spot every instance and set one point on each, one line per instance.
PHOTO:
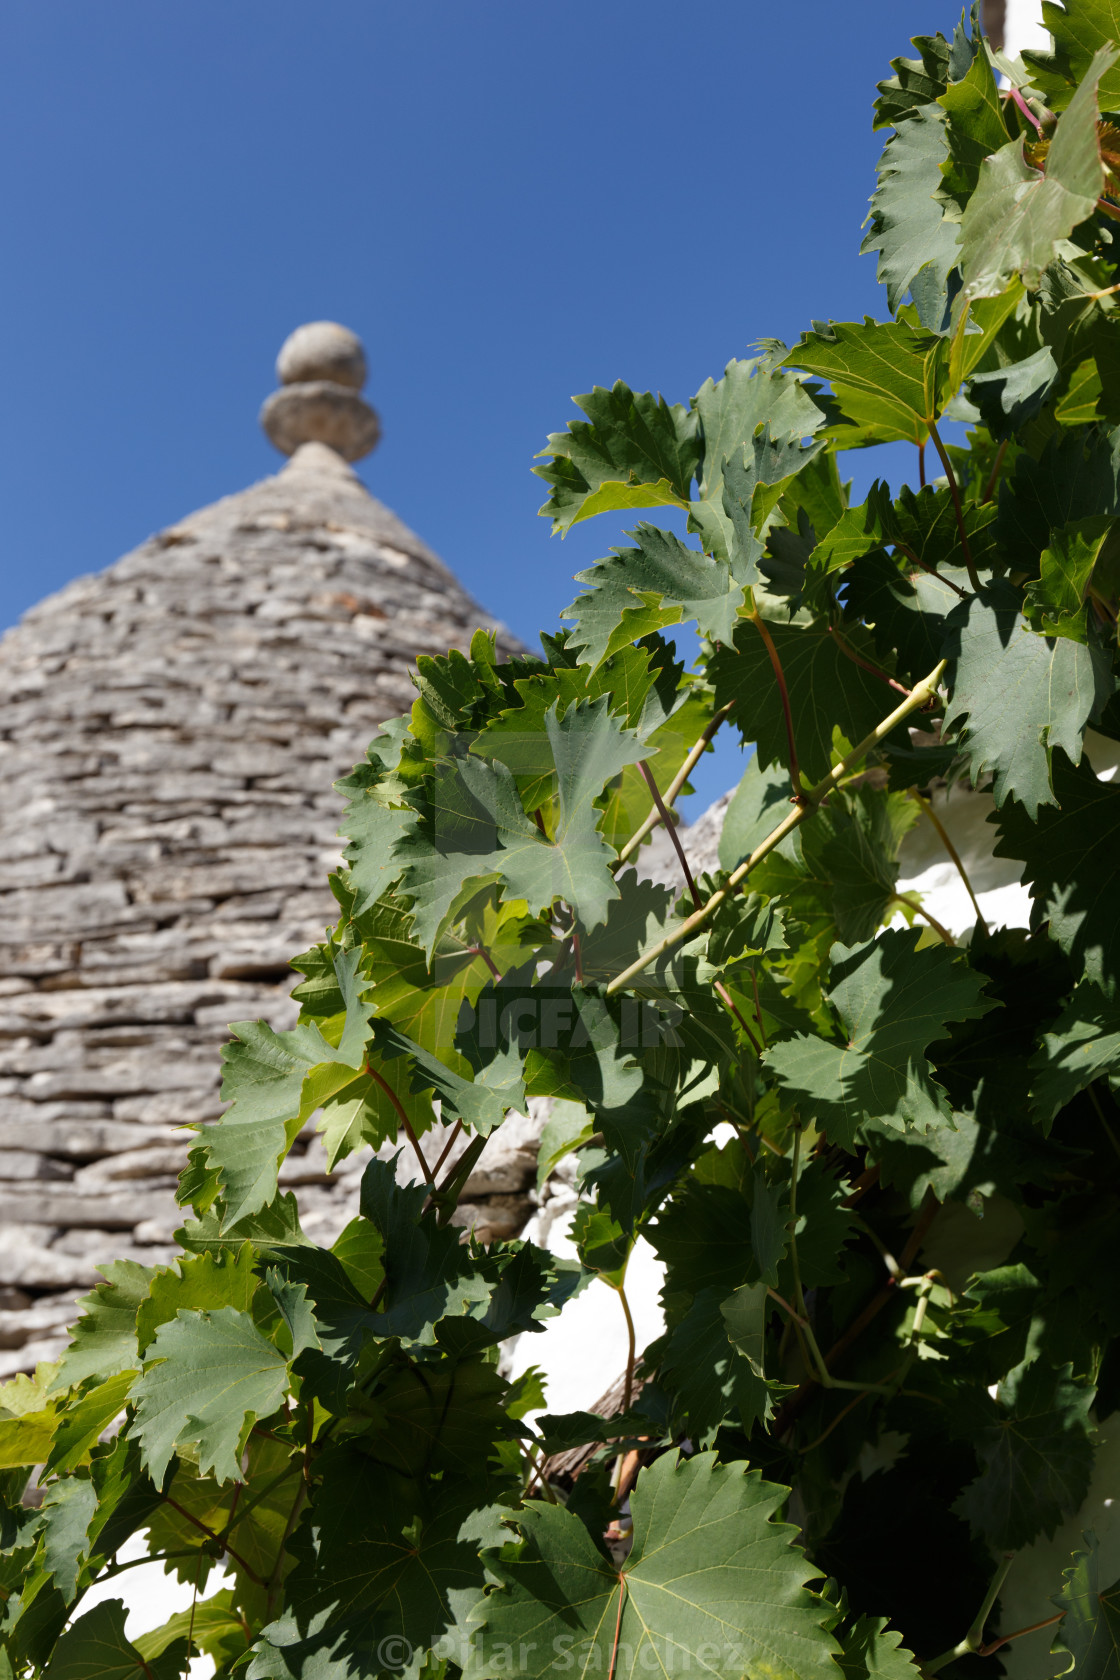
(864, 664)
(671, 829)
(993, 1645)
(758, 1008)
(446, 1150)
(780, 678)
(994, 474)
(931, 571)
(217, 1539)
(791, 1409)
(926, 807)
(1017, 99)
(726, 998)
(406, 1124)
(617, 1625)
(429, 1176)
(970, 564)
(481, 951)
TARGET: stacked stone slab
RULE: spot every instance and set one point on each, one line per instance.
(169, 732)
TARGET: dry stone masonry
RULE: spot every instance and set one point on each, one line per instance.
(169, 732)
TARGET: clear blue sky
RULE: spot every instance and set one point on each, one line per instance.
(509, 200)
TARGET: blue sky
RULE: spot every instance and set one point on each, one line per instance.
(510, 201)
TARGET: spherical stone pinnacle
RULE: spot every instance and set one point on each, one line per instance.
(320, 411)
(322, 350)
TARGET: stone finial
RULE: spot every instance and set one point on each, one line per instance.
(322, 368)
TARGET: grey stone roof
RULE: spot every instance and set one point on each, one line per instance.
(169, 732)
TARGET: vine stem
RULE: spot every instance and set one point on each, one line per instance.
(864, 664)
(725, 997)
(970, 564)
(678, 781)
(632, 1348)
(926, 807)
(210, 1535)
(924, 566)
(794, 1405)
(810, 801)
(922, 465)
(994, 474)
(406, 1124)
(617, 1625)
(994, 1644)
(974, 1638)
(671, 827)
(927, 915)
(1017, 99)
(783, 692)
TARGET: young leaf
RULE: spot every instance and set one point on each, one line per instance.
(893, 1000)
(634, 450)
(1037, 1458)
(1083, 1044)
(1013, 222)
(710, 1580)
(208, 1378)
(1090, 1626)
(96, 1648)
(1017, 695)
(658, 583)
(1072, 864)
(887, 378)
(103, 1341)
(909, 229)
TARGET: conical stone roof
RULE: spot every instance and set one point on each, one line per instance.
(169, 732)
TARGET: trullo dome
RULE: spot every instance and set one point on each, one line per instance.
(169, 732)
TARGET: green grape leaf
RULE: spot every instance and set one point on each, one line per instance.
(886, 376)
(704, 1367)
(1077, 555)
(96, 1648)
(69, 1507)
(920, 81)
(373, 828)
(1037, 1458)
(1090, 1626)
(872, 1650)
(974, 130)
(826, 689)
(380, 1571)
(633, 450)
(709, 1570)
(751, 395)
(1075, 478)
(892, 1000)
(1082, 1045)
(1008, 397)
(199, 1283)
(658, 583)
(476, 831)
(103, 1341)
(1072, 865)
(429, 1274)
(1078, 33)
(257, 1507)
(1015, 219)
(83, 1422)
(1017, 695)
(208, 1378)
(214, 1625)
(276, 1081)
(909, 229)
